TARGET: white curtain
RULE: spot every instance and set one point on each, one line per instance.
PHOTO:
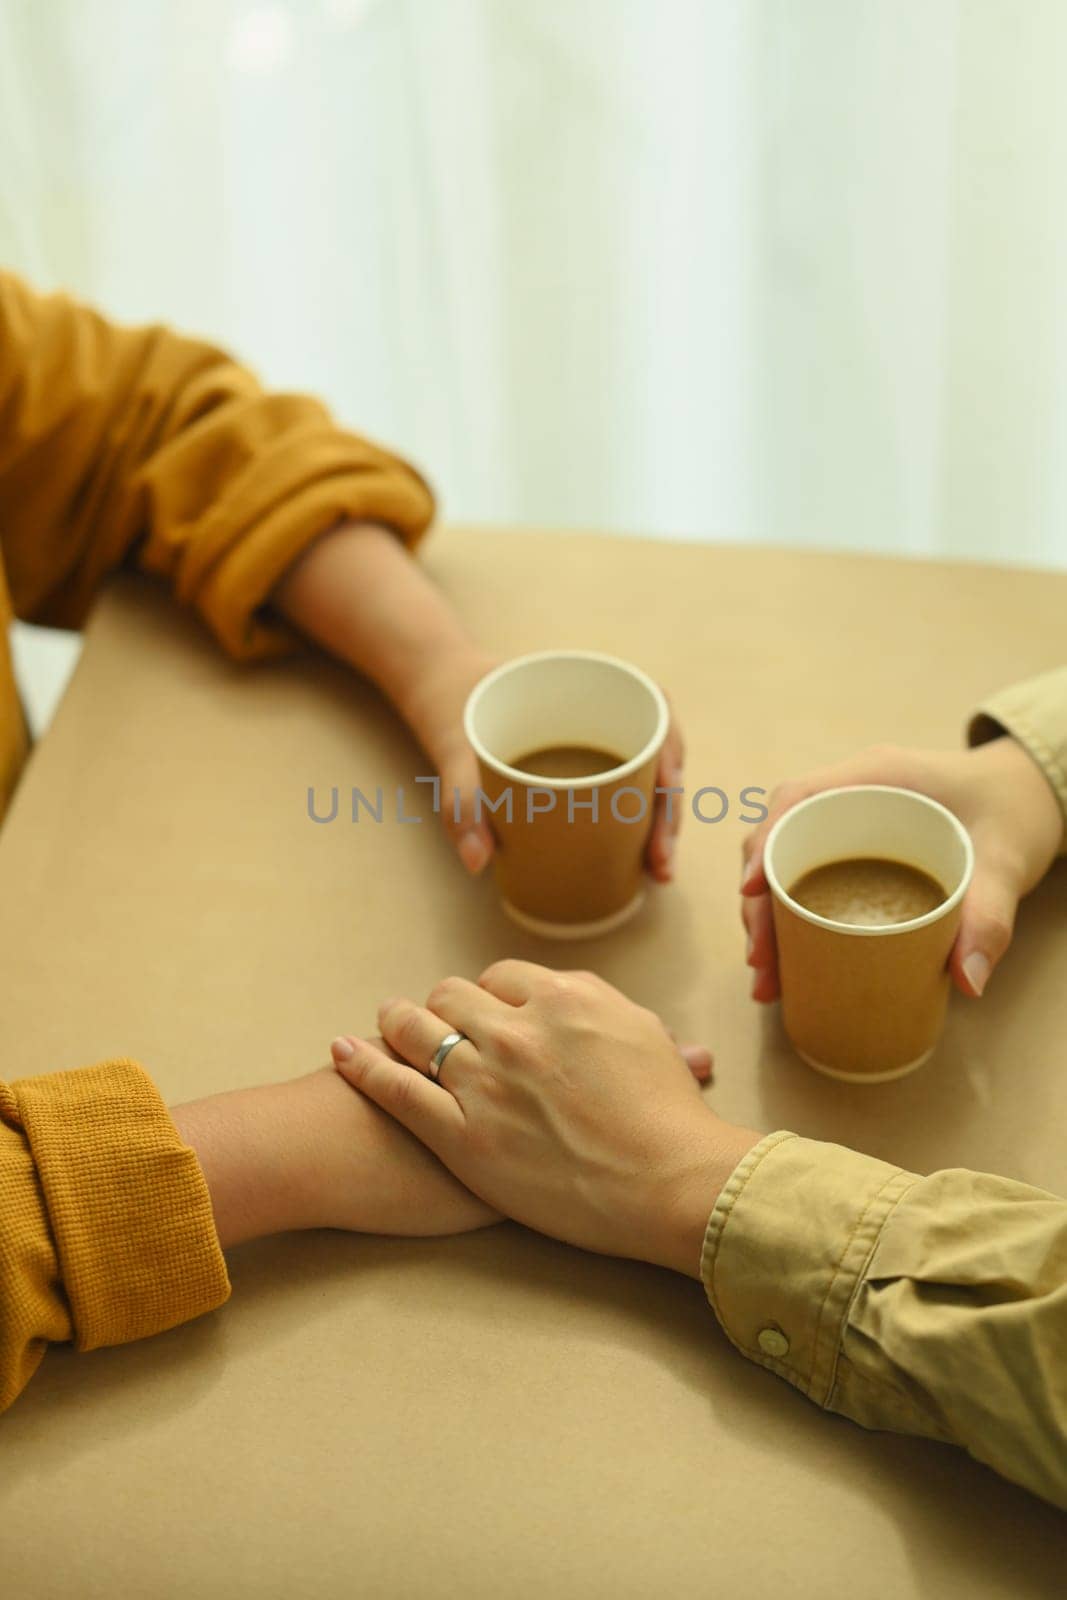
(783, 270)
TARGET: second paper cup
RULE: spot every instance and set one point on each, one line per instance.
(866, 1003)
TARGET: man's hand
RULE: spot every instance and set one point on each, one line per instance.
(1000, 795)
(567, 1107)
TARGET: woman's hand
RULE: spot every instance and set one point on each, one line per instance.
(432, 706)
(357, 592)
(567, 1107)
(369, 1175)
(669, 808)
(308, 1153)
(433, 709)
(1000, 795)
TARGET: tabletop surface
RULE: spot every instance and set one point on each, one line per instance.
(495, 1414)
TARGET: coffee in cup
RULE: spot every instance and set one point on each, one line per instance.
(868, 892)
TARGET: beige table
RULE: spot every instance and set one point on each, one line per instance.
(496, 1415)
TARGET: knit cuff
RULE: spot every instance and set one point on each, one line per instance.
(128, 1205)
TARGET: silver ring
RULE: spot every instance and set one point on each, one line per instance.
(449, 1042)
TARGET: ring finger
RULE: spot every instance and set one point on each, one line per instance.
(416, 1034)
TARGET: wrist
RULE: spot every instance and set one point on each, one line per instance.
(691, 1195)
(252, 1151)
(1032, 805)
(357, 592)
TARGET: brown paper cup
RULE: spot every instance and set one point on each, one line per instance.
(860, 1003)
(569, 850)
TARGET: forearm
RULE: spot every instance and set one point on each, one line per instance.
(114, 1209)
(279, 1157)
(254, 1147)
(933, 1306)
(106, 1226)
(310, 1153)
(959, 1323)
(358, 594)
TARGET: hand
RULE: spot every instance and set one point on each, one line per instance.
(1000, 795)
(432, 706)
(669, 809)
(370, 1176)
(433, 709)
(358, 593)
(567, 1107)
(309, 1153)
(697, 1057)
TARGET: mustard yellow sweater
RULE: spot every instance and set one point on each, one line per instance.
(134, 446)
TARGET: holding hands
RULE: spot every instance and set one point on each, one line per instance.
(569, 1108)
(565, 1106)
(308, 1153)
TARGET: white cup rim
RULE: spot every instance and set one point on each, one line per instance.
(596, 780)
(860, 930)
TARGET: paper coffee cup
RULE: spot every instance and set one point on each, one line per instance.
(866, 1003)
(569, 857)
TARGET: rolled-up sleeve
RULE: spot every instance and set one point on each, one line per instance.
(142, 445)
(106, 1228)
(926, 1305)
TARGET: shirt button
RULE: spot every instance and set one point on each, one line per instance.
(773, 1342)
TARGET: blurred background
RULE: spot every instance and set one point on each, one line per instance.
(792, 271)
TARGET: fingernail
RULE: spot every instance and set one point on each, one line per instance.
(750, 873)
(759, 977)
(473, 851)
(342, 1050)
(976, 970)
(749, 947)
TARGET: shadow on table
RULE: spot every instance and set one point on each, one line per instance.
(955, 1518)
(655, 959)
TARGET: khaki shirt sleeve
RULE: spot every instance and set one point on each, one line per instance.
(106, 1228)
(1035, 714)
(140, 445)
(933, 1306)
